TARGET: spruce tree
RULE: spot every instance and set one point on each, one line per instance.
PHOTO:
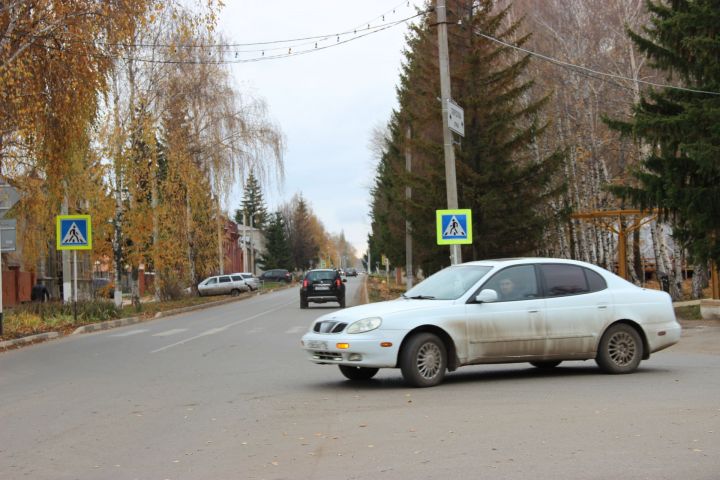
(252, 205)
(302, 244)
(497, 175)
(681, 173)
(277, 248)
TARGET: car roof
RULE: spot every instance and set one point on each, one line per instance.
(521, 260)
(322, 270)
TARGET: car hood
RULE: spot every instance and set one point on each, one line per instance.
(384, 310)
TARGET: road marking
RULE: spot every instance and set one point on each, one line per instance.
(213, 331)
(131, 332)
(167, 333)
(296, 330)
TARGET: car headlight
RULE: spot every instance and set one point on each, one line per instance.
(364, 325)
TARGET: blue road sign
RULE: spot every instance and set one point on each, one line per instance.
(74, 232)
(454, 226)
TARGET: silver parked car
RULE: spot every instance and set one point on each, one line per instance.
(538, 310)
(252, 281)
(223, 285)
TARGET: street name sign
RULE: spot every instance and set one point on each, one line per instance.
(454, 227)
(456, 118)
(74, 232)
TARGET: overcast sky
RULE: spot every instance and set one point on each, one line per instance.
(326, 102)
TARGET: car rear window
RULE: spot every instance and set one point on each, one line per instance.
(237, 278)
(321, 275)
(595, 281)
(564, 280)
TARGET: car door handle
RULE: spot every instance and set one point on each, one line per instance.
(533, 311)
(602, 307)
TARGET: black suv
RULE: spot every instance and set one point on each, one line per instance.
(322, 285)
(277, 275)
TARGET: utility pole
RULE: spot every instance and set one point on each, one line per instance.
(408, 227)
(445, 96)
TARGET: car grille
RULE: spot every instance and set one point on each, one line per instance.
(329, 326)
(327, 356)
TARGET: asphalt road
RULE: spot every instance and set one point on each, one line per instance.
(226, 393)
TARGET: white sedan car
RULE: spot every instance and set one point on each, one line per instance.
(538, 310)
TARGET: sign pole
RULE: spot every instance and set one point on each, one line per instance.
(445, 96)
(1, 289)
(75, 295)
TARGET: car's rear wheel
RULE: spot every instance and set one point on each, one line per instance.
(358, 373)
(303, 303)
(546, 365)
(423, 360)
(342, 302)
(621, 349)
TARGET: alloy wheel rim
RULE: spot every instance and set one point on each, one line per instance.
(428, 360)
(622, 348)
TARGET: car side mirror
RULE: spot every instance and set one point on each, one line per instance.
(487, 295)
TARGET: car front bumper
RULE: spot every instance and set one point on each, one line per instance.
(363, 350)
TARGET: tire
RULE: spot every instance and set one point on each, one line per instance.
(234, 292)
(303, 303)
(620, 350)
(423, 360)
(546, 364)
(342, 302)
(358, 373)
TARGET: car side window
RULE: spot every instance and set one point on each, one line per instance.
(514, 283)
(564, 280)
(237, 278)
(595, 281)
(212, 281)
(225, 280)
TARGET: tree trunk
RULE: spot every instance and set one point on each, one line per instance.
(699, 280)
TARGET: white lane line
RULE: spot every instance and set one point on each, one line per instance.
(131, 332)
(213, 331)
(296, 330)
(167, 333)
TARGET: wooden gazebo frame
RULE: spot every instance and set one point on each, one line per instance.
(641, 217)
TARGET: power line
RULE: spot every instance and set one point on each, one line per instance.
(364, 26)
(263, 57)
(586, 70)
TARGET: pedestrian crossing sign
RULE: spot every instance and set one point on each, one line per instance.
(74, 232)
(454, 226)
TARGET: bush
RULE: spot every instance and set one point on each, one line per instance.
(87, 312)
(170, 287)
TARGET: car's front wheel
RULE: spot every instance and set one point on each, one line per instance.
(621, 349)
(235, 292)
(423, 360)
(358, 373)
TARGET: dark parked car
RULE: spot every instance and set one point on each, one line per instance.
(322, 285)
(276, 275)
(351, 272)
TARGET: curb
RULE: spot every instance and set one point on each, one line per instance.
(40, 337)
(687, 303)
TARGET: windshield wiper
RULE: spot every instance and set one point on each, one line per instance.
(419, 297)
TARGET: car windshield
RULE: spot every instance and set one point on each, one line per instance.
(448, 284)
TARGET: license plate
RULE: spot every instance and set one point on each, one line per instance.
(317, 345)
(322, 287)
